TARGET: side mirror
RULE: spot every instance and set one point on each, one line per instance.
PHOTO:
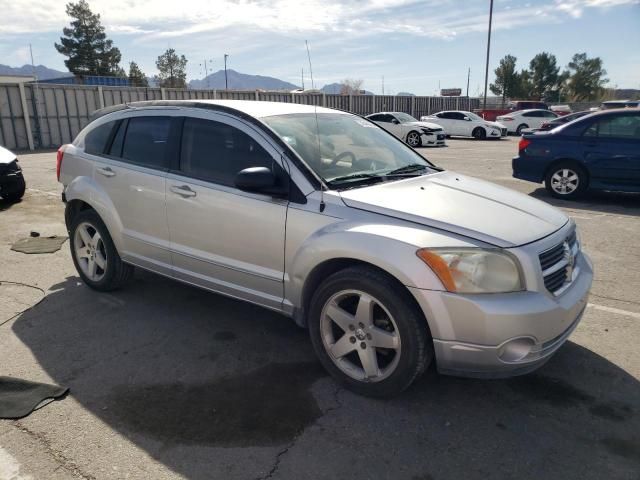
(395, 122)
(258, 180)
(467, 119)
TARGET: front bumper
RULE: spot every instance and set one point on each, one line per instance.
(436, 139)
(501, 335)
(11, 184)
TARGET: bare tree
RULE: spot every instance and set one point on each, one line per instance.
(351, 86)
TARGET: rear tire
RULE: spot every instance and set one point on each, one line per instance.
(479, 133)
(352, 315)
(566, 180)
(413, 139)
(520, 128)
(94, 254)
(15, 195)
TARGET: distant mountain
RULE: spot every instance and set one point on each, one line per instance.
(42, 72)
(405, 94)
(336, 88)
(240, 81)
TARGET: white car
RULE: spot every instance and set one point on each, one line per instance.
(405, 127)
(467, 124)
(518, 121)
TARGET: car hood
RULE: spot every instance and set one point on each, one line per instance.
(463, 205)
(494, 124)
(6, 156)
(423, 124)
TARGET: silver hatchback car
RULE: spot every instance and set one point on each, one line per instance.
(390, 262)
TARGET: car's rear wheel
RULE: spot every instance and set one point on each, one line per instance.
(520, 128)
(368, 333)
(566, 180)
(94, 254)
(413, 139)
(479, 133)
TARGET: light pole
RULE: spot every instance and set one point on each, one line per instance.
(486, 70)
(226, 82)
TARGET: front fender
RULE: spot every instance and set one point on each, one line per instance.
(389, 246)
(85, 189)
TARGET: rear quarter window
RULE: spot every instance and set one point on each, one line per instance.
(95, 142)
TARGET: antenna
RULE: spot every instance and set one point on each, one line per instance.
(315, 110)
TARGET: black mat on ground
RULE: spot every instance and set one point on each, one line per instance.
(18, 398)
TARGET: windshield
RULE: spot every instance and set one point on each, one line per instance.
(404, 117)
(343, 145)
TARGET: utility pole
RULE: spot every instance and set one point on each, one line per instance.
(226, 81)
(382, 84)
(468, 76)
(303, 79)
(206, 74)
(486, 69)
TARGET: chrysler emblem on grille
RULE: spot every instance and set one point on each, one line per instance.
(568, 256)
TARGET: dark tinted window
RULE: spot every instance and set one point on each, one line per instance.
(96, 140)
(145, 142)
(457, 115)
(623, 126)
(217, 152)
(118, 140)
(375, 118)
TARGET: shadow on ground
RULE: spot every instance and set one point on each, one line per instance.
(596, 201)
(182, 373)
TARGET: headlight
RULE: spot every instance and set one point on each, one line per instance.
(426, 130)
(474, 270)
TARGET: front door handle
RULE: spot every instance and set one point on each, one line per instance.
(183, 190)
(106, 171)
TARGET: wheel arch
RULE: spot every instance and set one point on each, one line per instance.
(558, 161)
(328, 267)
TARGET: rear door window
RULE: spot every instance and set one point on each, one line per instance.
(216, 152)
(145, 141)
(623, 126)
(95, 142)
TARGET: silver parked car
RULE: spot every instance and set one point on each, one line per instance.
(390, 262)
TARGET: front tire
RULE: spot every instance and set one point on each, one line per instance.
(94, 254)
(368, 333)
(16, 194)
(413, 139)
(479, 133)
(566, 180)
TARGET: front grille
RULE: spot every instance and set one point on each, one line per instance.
(440, 137)
(557, 264)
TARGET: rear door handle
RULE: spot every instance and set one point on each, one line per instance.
(106, 171)
(183, 190)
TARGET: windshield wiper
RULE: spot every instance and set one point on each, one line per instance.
(356, 177)
(412, 167)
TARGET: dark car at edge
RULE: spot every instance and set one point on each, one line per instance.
(600, 151)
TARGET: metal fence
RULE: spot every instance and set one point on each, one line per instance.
(48, 115)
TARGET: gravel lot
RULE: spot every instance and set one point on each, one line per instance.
(168, 381)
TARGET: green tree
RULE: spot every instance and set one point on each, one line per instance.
(137, 78)
(172, 70)
(508, 81)
(86, 44)
(544, 75)
(586, 78)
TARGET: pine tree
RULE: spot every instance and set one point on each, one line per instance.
(136, 77)
(171, 70)
(86, 44)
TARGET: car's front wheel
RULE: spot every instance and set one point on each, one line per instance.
(479, 133)
(94, 254)
(368, 333)
(566, 180)
(413, 139)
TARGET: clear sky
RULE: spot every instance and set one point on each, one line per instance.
(415, 45)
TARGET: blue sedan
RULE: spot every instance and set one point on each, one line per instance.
(600, 151)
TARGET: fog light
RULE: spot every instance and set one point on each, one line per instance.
(516, 349)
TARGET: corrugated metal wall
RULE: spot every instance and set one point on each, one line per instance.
(56, 113)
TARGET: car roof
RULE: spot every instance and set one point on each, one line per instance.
(256, 109)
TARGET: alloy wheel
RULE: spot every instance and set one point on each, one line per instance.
(413, 139)
(565, 181)
(90, 251)
(360, 336)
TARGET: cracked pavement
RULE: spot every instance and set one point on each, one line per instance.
(168, 381)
